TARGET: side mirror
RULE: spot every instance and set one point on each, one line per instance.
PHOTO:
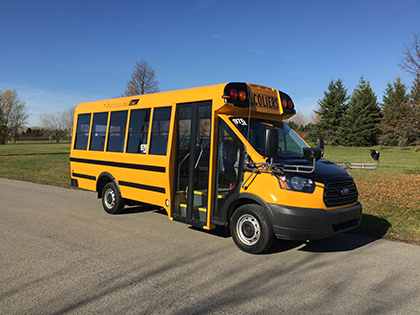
(310, 154)
(271, 143)
(374, 154)
(320, 145)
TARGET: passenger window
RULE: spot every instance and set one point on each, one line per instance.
(160, 130)
(99, 124)
(138, 130)
(116, 132)
(82, 132)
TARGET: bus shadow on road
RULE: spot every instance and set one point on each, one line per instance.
(337, 243)
(370, 230)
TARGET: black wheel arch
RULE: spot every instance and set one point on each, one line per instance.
(245, 198)
(103, 179)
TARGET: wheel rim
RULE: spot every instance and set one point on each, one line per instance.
(248, 229)
(109, 198)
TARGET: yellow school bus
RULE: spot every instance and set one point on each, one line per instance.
(214, 155)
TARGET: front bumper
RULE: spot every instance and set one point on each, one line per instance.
(292, 223)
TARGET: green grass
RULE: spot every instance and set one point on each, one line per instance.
(36, 161)
(390, 195)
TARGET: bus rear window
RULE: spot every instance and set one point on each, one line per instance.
(82, 132)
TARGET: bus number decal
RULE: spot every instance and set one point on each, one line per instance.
(239, 121)
(143, 148)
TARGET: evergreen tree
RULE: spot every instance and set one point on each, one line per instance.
(331, 110)
(415, 91)
(393, 108)
(412, 120)
(361, 121)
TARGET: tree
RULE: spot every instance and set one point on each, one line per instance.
(143, 80)
(331, 110)
(410, 62)
(59, 125)
(360, 125)
(415, 91)
(393, 109)
(412, 120)
(67, 118)
(13, 115)
(298, 121)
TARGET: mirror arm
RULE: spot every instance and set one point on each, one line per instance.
(367, 166)
(350, 165)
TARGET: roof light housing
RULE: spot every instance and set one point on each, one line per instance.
(237, 94)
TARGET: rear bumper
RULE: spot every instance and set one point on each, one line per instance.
(310, 224)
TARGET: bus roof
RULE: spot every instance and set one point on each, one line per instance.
(238, 95)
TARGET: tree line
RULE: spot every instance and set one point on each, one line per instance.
(360, 120)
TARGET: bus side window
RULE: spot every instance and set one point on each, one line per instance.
(160, 130)
(138, 130)
(97, 141)
(116, 132)
(82, 132)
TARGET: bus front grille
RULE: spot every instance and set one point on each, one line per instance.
(340, 192)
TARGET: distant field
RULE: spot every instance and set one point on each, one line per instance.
(390, 194)
(41, 162)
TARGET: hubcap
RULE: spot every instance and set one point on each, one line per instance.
(109, 198)
(248, 229)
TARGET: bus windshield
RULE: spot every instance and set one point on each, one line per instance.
(290, 144)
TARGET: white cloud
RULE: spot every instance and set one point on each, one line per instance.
(219, 37)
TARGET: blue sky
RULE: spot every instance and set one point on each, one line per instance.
(57, 54)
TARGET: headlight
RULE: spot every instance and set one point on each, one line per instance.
(297, 183)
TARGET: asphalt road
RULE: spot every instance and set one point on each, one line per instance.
(60, 253)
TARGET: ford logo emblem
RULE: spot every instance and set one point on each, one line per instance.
(345, 191)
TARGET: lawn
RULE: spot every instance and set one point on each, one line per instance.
(390, 194)
(41, 162)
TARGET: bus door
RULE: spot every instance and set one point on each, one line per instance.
(192, 162)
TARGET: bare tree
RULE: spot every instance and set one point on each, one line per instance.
(300, 119)
(53, 124)
(410, 62)
(58, 125)
(143, 80)
(67, 118)
(13, 115)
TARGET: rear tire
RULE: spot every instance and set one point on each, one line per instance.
(111, 199)
(251, 229)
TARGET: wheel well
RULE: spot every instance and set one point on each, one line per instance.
(104, 179)
(235, 205)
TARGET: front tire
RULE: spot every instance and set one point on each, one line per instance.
(111, 199)
(251, 229)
